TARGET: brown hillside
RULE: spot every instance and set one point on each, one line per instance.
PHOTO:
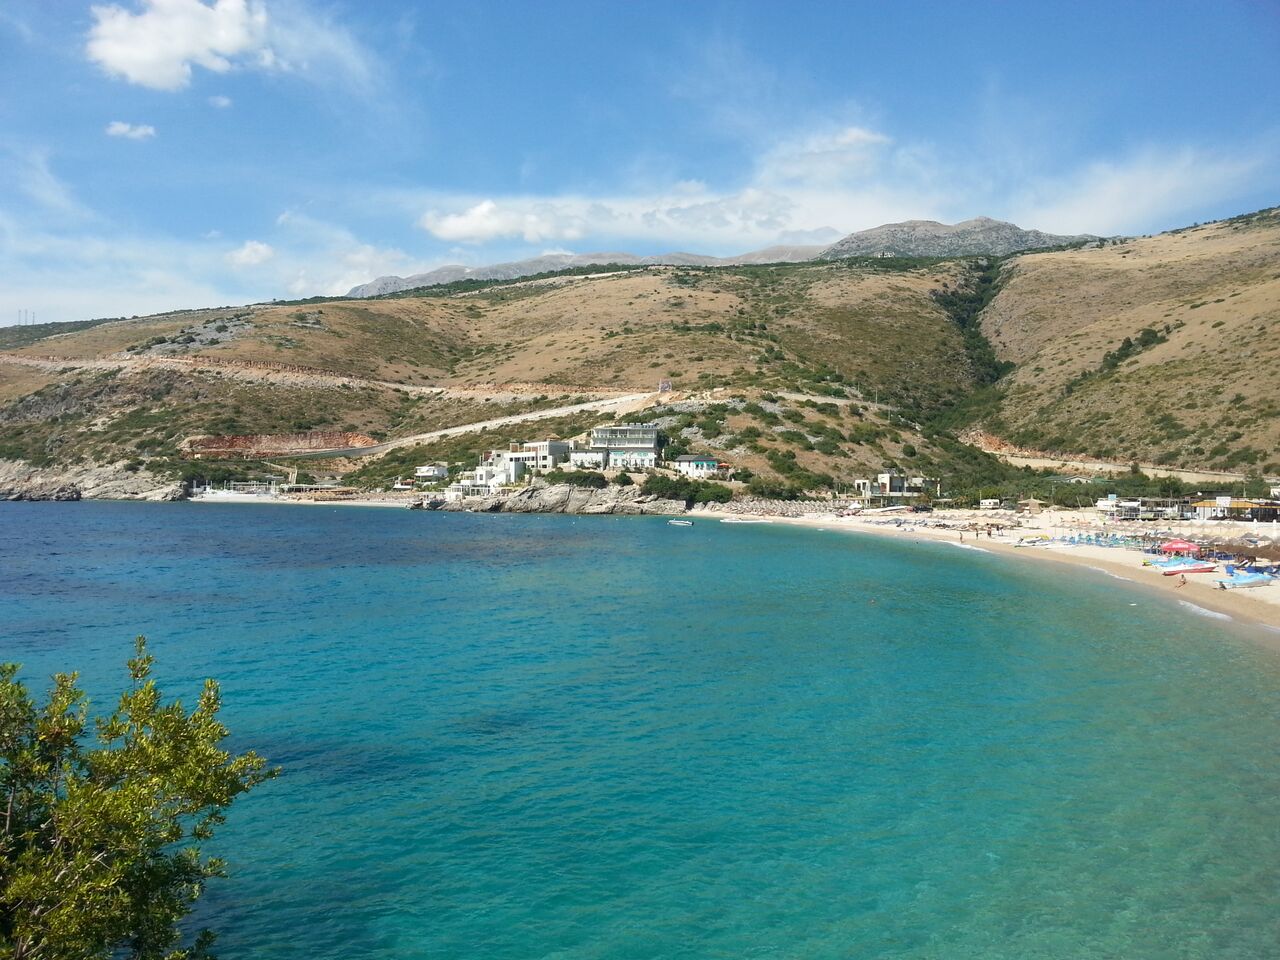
(1204, 389)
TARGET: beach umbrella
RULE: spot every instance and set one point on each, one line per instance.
(1179, 546)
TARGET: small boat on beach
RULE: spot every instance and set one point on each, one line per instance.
(1240, 580)
(1192, 566)
(680, 523)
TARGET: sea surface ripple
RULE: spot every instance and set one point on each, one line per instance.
(511, 737)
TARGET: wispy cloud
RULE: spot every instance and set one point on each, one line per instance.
(250, 254)
(159, 46)
(1148, 186)
(30, 173)
(220, 102)
(130, 131)
(851, 178)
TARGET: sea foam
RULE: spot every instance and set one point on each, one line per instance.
(1201, 611)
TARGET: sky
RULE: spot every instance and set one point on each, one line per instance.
(160, 154)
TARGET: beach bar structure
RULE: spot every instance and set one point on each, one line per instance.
(888, 488)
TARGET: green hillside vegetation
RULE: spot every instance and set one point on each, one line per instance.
(1159, 349)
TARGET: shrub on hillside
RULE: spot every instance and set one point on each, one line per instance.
(579, 478)
(683, 488)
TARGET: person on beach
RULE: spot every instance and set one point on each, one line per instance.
(1182, 581)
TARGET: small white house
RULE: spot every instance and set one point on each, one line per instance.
(990, 503)
(694, 465)
(430, 472)
(484, 481)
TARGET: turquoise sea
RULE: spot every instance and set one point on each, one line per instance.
(576, 738)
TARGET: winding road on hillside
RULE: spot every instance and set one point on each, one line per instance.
(610, 402)
(622, 404)
(1086, 467)
(289, 375)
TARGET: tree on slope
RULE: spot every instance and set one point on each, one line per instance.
(101, 824)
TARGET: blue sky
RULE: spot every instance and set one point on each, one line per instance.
(174, 153)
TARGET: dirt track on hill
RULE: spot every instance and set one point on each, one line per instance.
(292, 375)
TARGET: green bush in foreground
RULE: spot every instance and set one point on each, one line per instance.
(99, 845)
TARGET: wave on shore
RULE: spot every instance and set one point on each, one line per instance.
(1201, 611)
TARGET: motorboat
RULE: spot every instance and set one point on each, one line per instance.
(680, 523)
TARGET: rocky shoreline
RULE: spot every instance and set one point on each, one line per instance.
(567, 498)
(21, 481)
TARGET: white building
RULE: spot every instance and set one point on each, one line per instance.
(694, 465)
(588, 459)
(625, 446)
(536, 457)
(484, 481)
(897, 485)
(430, 472)
(633, 459)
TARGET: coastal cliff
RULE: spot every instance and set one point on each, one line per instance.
(566, 498)
(21, 481)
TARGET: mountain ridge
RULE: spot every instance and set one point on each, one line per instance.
(547, 263)
(908, 238)
(929, 238)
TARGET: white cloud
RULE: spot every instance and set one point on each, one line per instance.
(33, 177)
(250, 254)
(130, 131)
(852, 178)
(534, 222)
(1126, 195)
(158, 46)
(219, 101)
(802, 186)
(828, 157)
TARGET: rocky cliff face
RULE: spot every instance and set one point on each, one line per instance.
(21, 481)
(566, 498)
(928, 238)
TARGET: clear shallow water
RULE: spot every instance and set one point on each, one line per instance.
(597, 737)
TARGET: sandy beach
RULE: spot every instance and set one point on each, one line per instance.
(1260, 606)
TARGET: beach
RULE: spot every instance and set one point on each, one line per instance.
(1260, 606)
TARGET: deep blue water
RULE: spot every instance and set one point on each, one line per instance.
(522, 737)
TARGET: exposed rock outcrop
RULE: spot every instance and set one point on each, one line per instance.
(928, 238)
(566, 498)
(21, 481)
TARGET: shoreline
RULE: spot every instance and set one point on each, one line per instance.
(1256, 608)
